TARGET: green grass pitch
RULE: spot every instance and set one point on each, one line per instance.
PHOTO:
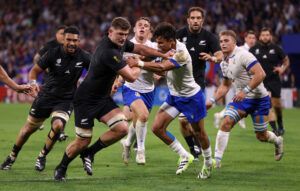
(247, 163)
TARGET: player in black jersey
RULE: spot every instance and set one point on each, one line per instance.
(203, 46)
(93, 100)
(59, 38)
(274, 62)
(63, 65)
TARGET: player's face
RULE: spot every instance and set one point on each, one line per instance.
(227, 44)
(71, 42)
(265, 37)
(60, 36)
(195, 21)
(164, 45)
(142, 29)
(250, 39)
(118, 36)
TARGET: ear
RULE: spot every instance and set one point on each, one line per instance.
(134, 29)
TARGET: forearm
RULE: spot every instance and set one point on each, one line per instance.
(221, 92)
(285, 63)
(257, 78)
(147, 51)
(36, 58)
(7, 80)
(153, 67)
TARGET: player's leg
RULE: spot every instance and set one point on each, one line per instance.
(218, 118)
(189, 136)
(58, 122)
(31, 125)
(276, 103)
(162, 119)
(232, 116)
(141, 112)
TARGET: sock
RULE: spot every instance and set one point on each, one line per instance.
(130, 135)
(221, 144)
(273, 125)
(279, 121)
(15, 151)
(178, 148)
(65, 161)
(272, 138)
(207, 156)
(141, 131)
(190, 141)
(44, 151)
(92, 150)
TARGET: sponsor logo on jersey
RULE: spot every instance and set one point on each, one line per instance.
(116, 59)
(192, 49)
(67, 72)
(257, 51)
(265, 56)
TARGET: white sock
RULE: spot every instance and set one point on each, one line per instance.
(207, 156)
(130, 135)
(272, 138)
(221, 144)
(141, 131)
(178, 148)
(222, 113)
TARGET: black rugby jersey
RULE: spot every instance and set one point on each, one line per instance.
(105, 63)
(196, 43)
(49, 45)
(269, 56)
(62, 71)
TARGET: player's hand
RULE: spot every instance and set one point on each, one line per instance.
(114, 89)
(170, 53)
(278, 69)
(209, 104)
(132, 61)
(35, 88)
(207, 57)
(239, 96)
(25, 88)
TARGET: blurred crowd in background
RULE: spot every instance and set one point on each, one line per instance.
(25, 25)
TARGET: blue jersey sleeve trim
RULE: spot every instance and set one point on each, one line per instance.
(251, 65)
(174, 62)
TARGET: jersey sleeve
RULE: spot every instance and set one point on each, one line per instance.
(113, 59)
(128, 46)
(214, 44)
(280, 53)
(248, 60)
(45, 60)
(43, 50)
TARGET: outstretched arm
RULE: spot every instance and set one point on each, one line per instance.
(221, 92)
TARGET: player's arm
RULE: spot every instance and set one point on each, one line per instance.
(220, 92)
(216, 57)
(285, 64)
(258, 75)
(147, 51)
(10, 83)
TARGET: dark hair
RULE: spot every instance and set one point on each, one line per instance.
(249, 32)
(120, 23)
(144, 18)
(228, 33)
(165, 30)
(61, 27)
(264, 29)
(199, 9)
(72, 30)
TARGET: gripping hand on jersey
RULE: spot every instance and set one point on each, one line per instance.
(180, 56)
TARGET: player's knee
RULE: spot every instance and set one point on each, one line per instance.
(82, 143)
(32, 125)
(143, 117)
(58, 124)
(227, 124)
(156, 129)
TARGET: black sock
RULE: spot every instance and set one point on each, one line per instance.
(15, 151)
(190, 141)
(45, 150)
(65, 161)
(279, 121)
(92, 150)
(273, 125)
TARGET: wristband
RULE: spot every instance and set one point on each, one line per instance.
(213, 100)
(141, 64)
(247, 89)
(32, 82)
